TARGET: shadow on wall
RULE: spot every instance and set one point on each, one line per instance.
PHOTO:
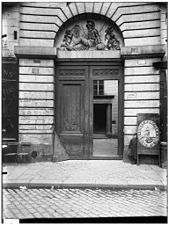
(130, 152)
(59, 151)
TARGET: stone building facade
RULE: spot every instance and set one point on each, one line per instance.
(85, 70)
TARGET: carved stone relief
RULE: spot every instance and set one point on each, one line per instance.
(112, 43)
(79, 38)
(100, 72)
(69, 72)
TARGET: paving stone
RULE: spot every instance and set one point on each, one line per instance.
(37, 215)
(10, 216)
(69, 203)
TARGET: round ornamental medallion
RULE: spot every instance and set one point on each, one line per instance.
(148, 133)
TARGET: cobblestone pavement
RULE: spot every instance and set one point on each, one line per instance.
(82, 203)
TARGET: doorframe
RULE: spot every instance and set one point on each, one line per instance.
(120, 107)
(118, 62)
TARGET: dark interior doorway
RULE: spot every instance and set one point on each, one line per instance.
(99, 119)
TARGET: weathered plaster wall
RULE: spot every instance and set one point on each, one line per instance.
(36, 103)
(141, 92)
(164, 25)
(141, 24)
(10, 23)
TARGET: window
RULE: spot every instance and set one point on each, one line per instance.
(98, 87)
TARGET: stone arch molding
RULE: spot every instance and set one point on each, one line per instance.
(41, 22)
(74, 10)
(107, 35)
(88, 31)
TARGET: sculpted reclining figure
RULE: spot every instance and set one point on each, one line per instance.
(76, 39)
(73, 40)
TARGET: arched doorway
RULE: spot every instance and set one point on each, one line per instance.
(89, 88)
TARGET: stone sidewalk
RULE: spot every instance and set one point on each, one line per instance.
(85, 173)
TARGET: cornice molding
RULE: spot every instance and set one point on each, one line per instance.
(34, 52)
(153, 51)
(149, 51)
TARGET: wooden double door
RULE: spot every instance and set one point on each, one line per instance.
(84, 120)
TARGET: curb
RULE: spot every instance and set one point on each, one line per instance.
(83, 186)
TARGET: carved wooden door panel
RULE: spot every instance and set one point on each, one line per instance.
(72, 105)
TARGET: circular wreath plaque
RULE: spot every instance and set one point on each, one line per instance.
(148, 133)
